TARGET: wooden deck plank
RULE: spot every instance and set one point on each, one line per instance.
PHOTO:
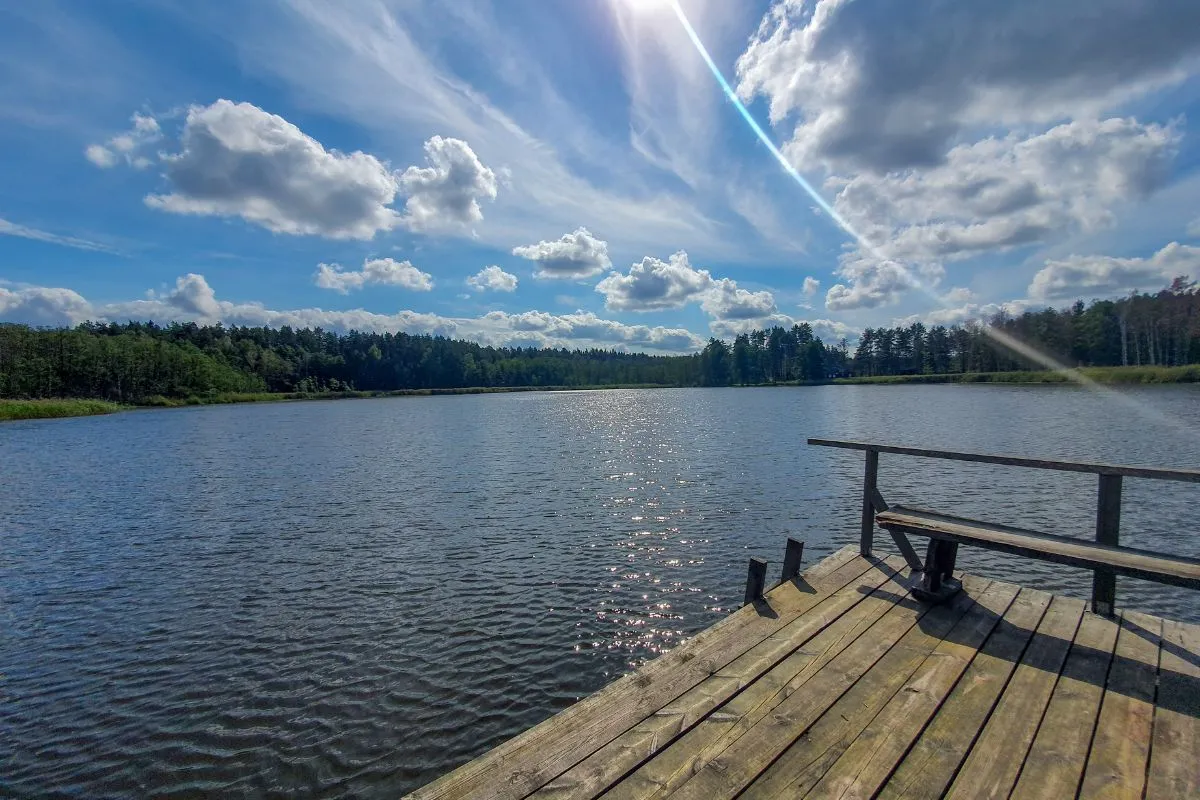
(994, 762)
(818, 748)
(734, 769)
(1116, 767)
(602, 768)
(1056, 759)
(531, 759)
(930, 765)
(1175, 747)
(874, 754)
(669, 769)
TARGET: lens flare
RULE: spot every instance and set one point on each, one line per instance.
(1001, 337)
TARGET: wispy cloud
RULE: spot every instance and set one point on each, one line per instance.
(25, 232)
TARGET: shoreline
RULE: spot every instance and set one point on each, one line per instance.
(59, 408)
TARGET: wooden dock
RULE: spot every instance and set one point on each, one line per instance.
(839, 684)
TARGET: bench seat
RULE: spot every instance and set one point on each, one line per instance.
(1144, 564)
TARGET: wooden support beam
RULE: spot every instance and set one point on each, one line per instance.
(870, 490)
(756, 579)
(1108, 531)
(791, 559)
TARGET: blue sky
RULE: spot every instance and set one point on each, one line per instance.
(570, 173)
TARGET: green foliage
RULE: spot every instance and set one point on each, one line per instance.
(46, 409)
(187, 364)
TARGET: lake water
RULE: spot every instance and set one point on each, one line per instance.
(351, 598)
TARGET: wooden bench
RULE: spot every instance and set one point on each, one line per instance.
(947, 532)
(1105, 556)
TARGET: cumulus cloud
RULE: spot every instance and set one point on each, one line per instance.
(446, 193)
(811, 286)
(726, 301)
(493, 279)
(992, 196)
(653, 285)
(886, 97)
(191, 299)
(831, 332)
(128, 147)
(575, 255)
(872, 283)
(382, 271)
(967, 312)
(1106, 276)
(43, 306)
(237, 160)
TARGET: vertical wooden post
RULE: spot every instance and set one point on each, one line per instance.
(1108, 531)
(756, 579)
(791, 559)
(868, 504)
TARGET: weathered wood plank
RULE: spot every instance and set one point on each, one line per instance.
(598, 771)
(1186, 475)
(734, 769)
(1056, 759)
(1116, 766)
(995, 759)
(1145, 564)
(533, 758)
(669, 769)
(818, 748)
(1175, 748)
(931, 763)
(874, 754)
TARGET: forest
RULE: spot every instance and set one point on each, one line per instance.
(140, 362)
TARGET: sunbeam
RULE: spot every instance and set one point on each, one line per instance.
(1001, 337)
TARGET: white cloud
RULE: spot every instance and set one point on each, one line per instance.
(493, 279)
(993, 196)
(127, 146)
(872, 283)
(193, 300)
(574, 255)
(446, 193)
(653, 285)
(43, 306)
(811, 286)
(726, 301)
(883, 86)
(238, 160)
(1086, 277)
(382, 271)
(25, 232)
(829, 331)
(957, 315)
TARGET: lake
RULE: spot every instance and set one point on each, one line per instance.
(352, 598)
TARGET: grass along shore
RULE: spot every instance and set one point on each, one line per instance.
(48, 409)
(53, 408)
(1105, 375)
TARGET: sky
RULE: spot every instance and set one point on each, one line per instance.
(573, 173)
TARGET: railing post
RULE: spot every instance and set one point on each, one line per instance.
(1108, 531)
(868, 504)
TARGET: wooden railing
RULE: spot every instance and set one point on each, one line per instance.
(1108, 501)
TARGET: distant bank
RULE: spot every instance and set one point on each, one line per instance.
(51, 408)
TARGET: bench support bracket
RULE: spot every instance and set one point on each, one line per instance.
(935, 582)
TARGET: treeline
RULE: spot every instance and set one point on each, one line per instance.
(138, 361)
(1161, 329)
